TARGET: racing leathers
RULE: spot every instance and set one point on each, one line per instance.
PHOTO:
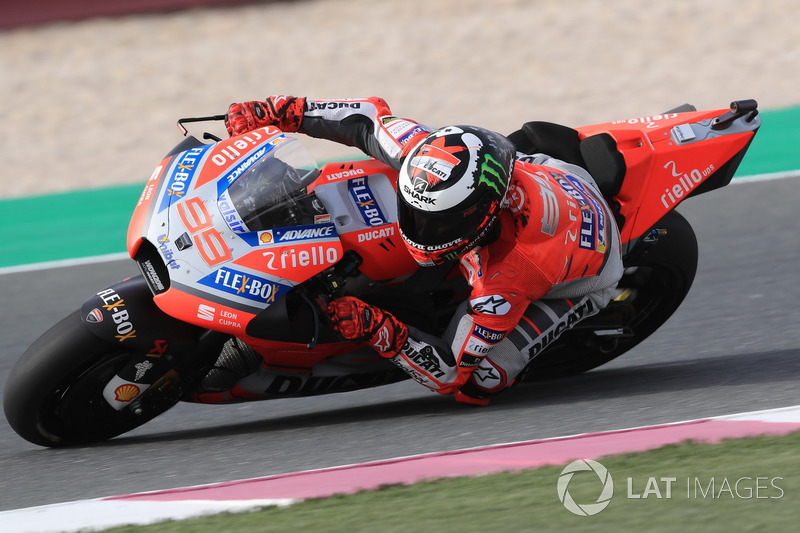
(556, 259)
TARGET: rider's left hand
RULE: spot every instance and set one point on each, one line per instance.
(358, 321)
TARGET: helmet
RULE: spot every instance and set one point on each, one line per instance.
(450, 190)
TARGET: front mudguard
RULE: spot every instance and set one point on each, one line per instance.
(125, 314)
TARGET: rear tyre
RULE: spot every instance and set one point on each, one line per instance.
(658, 282)
(54, 393)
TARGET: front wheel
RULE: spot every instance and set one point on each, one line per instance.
(651, 290)
(54, 393)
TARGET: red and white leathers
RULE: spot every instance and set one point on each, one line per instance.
(556, 260)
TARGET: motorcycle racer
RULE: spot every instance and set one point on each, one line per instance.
(533, 235)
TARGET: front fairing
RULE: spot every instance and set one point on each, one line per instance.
(222, 231)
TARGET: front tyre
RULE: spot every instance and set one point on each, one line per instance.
(54, 393)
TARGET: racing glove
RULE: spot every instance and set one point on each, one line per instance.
(283, 112)
(358, 321)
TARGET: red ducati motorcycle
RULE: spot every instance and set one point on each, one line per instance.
(242, 242)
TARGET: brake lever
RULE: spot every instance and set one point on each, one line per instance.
(182, 121)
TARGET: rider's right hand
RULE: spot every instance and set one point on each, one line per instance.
(284, 112)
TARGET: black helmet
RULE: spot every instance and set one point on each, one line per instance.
(450, 190)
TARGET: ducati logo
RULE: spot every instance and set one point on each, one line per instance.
(95, 316)
(433, 163)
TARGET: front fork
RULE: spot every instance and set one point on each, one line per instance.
(172, 376)
(140, 374)
(161, 347)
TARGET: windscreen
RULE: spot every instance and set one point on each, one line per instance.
(273, 193)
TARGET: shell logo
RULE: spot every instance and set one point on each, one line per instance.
(126, 392)
(265, 237)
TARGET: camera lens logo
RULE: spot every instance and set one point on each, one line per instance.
(588, 509)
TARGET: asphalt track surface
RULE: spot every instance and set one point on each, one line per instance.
(733, 346)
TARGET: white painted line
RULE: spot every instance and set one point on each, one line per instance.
(766, 177)
(98, 514)
(31, 267)
(784, 414)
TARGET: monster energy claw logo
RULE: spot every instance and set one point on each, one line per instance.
(492, 173)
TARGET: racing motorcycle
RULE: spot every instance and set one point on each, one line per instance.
(242, 242)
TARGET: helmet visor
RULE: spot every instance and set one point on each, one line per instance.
(433, 231)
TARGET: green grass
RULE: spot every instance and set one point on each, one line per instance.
(528, 500)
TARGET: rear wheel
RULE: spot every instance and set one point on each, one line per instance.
(54, 394)
(652, 289)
